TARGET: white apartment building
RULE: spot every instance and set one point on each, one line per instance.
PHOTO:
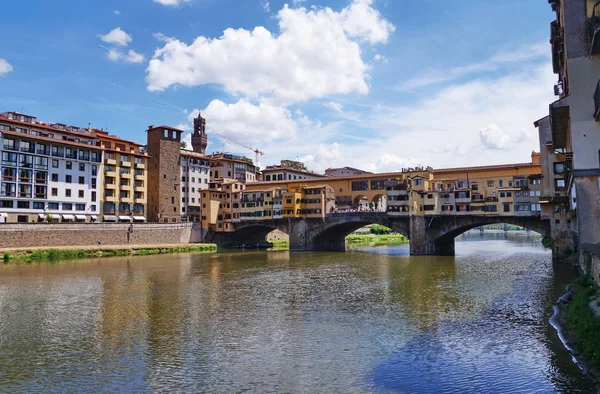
(195, 176)
(49, 172)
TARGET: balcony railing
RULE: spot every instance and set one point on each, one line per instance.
(594, 30)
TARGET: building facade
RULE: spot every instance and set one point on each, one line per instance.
(288, 170)
(573, 121)
(228, 166)
(50, 172)
(345, 171)
(125, 193)
(195, 177)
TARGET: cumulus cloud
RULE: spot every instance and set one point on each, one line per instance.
(316, 53)
(171, 3)
(116, 37)
(129, 57)
(248, 122)
(337, 107)
(5, 67)
(493, 137)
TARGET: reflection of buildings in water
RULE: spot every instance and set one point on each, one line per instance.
(424, 288)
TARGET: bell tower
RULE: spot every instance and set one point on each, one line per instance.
(199, 137)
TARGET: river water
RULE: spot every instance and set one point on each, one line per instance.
(368, 320)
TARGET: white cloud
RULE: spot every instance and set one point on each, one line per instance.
(5, 67)
(248, 122)
(130, 57)
(117, 12)
(337, 107)
(296, 3)
(492, 137)
(380, 58)
(316, 53)
(265, 5)
(525, 53)
(171, 3)
(116, 37)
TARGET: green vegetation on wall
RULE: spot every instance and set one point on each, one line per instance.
(581, 320)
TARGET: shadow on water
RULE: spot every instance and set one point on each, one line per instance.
(508, 346)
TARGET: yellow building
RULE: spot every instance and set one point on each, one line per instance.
(124, 193)
(221, 204)
(304, 201)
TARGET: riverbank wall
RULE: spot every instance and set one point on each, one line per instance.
(92, 234)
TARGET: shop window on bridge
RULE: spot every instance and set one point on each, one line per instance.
(447, 208)
(378, 184)
(429, 207)
(491, 208)
(463, 208)
(535, 207)
(476, 208)
(506, 207)
(462, 195)
(521, 207)
(360, 185)
(474, 187)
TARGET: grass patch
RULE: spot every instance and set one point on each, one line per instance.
(581, 320)
(72, 254)
(376, 239)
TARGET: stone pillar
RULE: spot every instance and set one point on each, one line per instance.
(420, 244)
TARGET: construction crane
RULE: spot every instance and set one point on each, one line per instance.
(256, 151)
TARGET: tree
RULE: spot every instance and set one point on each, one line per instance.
(183, 145)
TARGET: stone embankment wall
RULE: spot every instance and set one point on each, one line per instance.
(50, 234)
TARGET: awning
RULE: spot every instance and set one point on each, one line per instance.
(139, 218)
(3, 215)
(80, 217)
(68, 217)
(55, 216)
(94, 217)
(125, 218)
(42, 216)
(109, 218)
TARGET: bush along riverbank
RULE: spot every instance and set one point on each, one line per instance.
(55, 254)
(580, 319)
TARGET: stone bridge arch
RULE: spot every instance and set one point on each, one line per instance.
(329, 233)
(437, 233)
(247, 233)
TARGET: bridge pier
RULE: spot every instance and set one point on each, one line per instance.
(421, 245)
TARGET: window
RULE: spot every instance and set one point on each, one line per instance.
(93, 183)
(93, 196)
(54, 178)
(67, 206)
(54, 191)
(124, 159)
(81, 167)
(536, 181)
(81, 193)
(491, 184)
(166, 133)
(559, 168)
(80, 207)
(52, 205)
(506, 207)
(68, 178)
(68, 192)
(69, 165)
(81, 180)
(360, 185)
(559, 183)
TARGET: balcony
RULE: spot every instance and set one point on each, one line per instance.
(109, 161)
(10, 147)
(125, 164)
(140, 166)
(594, 30)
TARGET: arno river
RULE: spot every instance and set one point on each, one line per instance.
(368, 320)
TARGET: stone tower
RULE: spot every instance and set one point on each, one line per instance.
(164, 170)
(199, 138)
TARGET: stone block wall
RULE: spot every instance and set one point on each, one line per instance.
(32, 235)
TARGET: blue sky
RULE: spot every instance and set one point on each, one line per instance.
(375, 84)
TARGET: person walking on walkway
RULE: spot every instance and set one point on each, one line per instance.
(129, 232)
